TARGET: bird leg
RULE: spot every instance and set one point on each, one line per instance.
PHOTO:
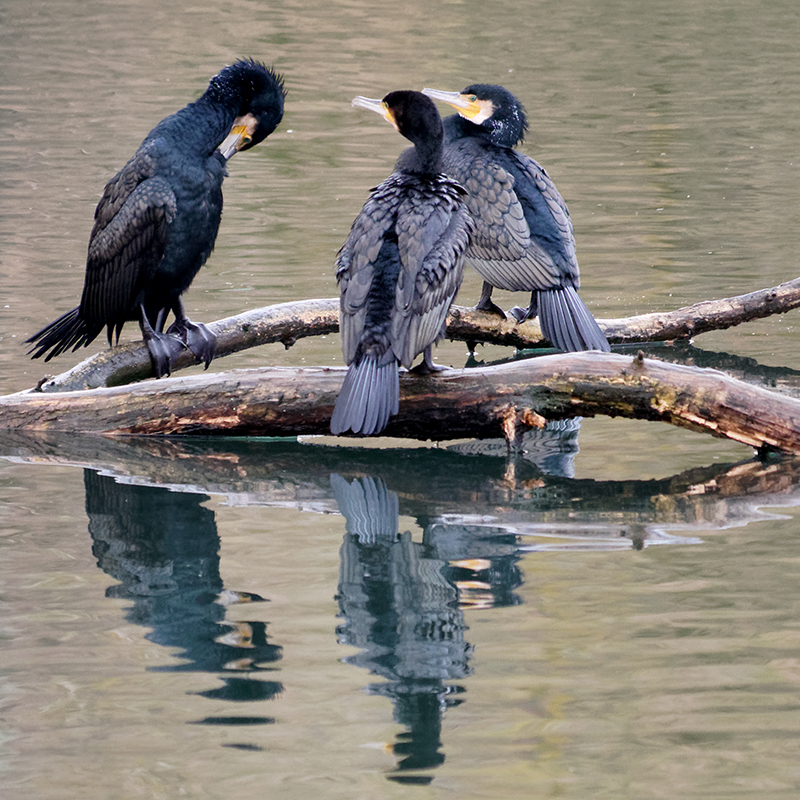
(521, 314)
(163, 347)
(426, 366)
(486, 304)
(196, 336)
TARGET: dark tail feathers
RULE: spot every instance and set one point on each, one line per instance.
(567, 323)
(369, 396)
(68, 331)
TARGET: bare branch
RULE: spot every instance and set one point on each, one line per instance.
(289, 322)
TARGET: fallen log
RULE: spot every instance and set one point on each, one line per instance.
(289, 322)
(502, 400)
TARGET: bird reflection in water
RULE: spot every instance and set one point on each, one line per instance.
(403, 614)
(163, 548)
(401, 605)
(552, 448)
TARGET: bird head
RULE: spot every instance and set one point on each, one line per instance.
(258, 93)
(410, 113)
(490, 107)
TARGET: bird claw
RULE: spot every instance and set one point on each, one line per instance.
(488, 307)
(427, 369)
(197, 338)
(163, 348)
(521, 314)
(426, 366)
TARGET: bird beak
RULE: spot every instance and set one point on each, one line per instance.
(467, 108)
(374, 105)
(240, 136)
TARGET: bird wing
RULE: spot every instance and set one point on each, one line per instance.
(523, 238)
(433, 230)
(500, 227)
(141, 167)
(127, 241)
(546, 213)
(355, 264)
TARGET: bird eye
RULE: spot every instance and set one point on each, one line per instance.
(473, 98)
(246, 139)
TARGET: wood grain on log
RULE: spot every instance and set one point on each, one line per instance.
(488, 402)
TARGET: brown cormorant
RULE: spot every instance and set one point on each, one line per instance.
(523, 238)
(399, 269)
(157, 221)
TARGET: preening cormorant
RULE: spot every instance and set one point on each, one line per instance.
(158, 218)
(523, 238)
(400, 268)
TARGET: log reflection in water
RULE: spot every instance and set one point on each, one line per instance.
(401, 601)
(435, 484)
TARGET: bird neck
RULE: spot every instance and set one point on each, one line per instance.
(201, 126)
(456, 127)
(424, 158)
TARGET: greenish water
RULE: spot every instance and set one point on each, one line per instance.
(614, 615)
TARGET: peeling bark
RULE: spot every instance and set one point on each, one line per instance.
(489, 402)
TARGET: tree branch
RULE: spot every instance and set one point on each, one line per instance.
(502, 400)
(289, 322)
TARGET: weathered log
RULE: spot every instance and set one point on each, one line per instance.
(501, 400)
(291, 321)
(709, 315)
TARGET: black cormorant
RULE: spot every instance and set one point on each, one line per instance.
(157, 221)
(523, 238)
(399, 269)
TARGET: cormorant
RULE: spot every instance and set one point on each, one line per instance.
(158, 218)
(523, 238)
(400, 268)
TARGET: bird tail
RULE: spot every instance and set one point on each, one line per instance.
(370, 395)
(567, 323)
(68, 331)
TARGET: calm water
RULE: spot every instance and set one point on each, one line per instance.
(615, 615)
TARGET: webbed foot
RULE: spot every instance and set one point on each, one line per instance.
(491, 308)
(521, 314)
(197, 337)
(163, 349)
(161, 346)
(485, 303)
(426, 366)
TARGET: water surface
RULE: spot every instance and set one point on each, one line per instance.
(614, 615)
